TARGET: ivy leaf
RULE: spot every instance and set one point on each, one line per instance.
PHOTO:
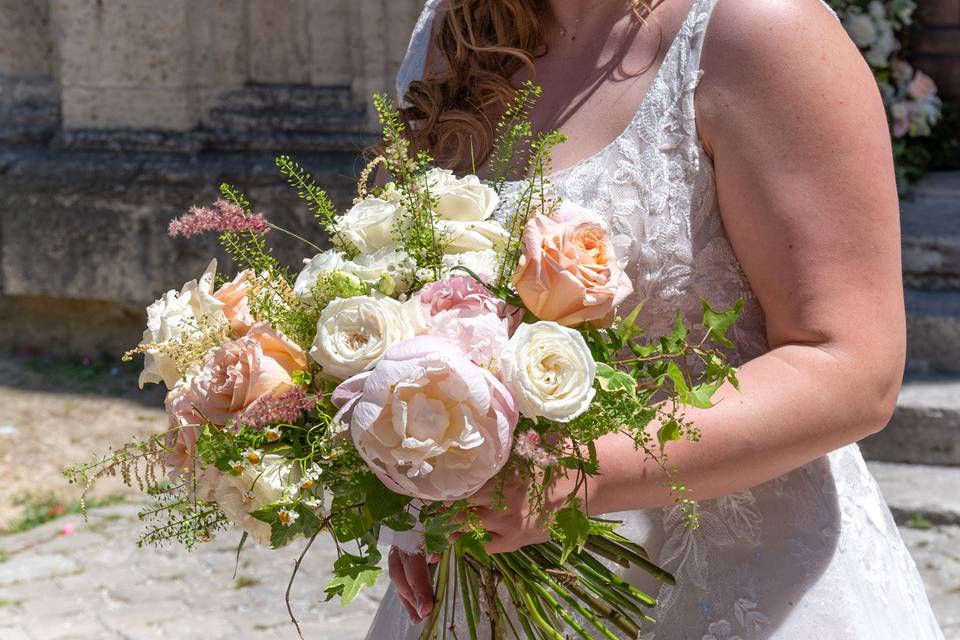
(676, 341)
(679, 382)
(437, 530)
(379, 502)
(668, 432)
(403, 521)
(718, 322)
(700, 395)
(572, 527)
(613, 381)
(470, 544)
(280, 534)
(351, 574)
(351, 521)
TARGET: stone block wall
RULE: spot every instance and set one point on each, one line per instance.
(938, 46)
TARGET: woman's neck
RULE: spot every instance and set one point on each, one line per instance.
(571, 17)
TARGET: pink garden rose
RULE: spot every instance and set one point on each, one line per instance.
(430, 423)
(463, 311)
(569, 272)
(239, 372)
(236, 305)
(922, 87)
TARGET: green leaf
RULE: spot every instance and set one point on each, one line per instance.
(437, 529)
(676, 341)
(668, 432)
(280, 534)
(679, 382)
(403, 521)
(613, 381)
(353, 573)
(718, 322)
(379, 502)
(700, 395)
(469, 544)
(350, 521)
(629, 327)
(572, 527)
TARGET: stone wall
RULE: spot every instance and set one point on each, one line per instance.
(938, 46)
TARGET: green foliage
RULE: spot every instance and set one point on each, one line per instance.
(571, 527)
(512, 137)
(353, 573)
(307, 523)
(317, 201)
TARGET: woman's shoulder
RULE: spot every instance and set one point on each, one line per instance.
(760, 55)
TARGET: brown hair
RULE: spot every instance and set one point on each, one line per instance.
(483, 44)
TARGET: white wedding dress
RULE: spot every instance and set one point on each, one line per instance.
(812, 554)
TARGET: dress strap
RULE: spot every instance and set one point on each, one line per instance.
(415, 61)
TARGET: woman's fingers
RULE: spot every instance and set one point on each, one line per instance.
(421, 584)
(398, 577)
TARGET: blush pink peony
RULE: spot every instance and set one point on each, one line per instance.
(569, 272)
(430, 423)
(239, 372)
(463, 311)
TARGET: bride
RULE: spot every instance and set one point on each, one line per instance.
(737, 148)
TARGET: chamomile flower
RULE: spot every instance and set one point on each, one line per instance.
(237, 466)
(311, 477)
(287, 517)
(252, 457)
(272, 434)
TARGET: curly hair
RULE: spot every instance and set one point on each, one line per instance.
(483, 44)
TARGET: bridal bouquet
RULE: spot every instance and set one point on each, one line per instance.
(451, 335)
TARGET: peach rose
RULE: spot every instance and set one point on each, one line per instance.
(236, 306)
(569, 272)
(239, 372)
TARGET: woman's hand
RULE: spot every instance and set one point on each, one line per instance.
(410, 574)
(518, 524)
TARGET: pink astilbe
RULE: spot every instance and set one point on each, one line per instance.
(221, 216)
(528, 447)
(285, 408)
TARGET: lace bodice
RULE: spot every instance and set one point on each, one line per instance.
(814, 553)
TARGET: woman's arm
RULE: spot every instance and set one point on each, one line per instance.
(793, 120)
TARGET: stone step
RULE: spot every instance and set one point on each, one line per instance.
(925, 427)
(930, 221)
(287, 120)
(918, 492)
(933, 331)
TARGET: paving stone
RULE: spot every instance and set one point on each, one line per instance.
(22, 568)
(13, 633)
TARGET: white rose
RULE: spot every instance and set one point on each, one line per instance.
(485, 263)
(369, 224)
(862, 29)
(354, 333)
(550, 370)
(171, 316)
(473, 236)
(373, 266)
(327, 262)
(463, 199)
(256, 487)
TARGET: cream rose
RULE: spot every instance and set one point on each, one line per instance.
(370, 268)
(171, 316)
(484, 263)
(550, 370)
(354, 333)
(479, 235)
(369, 224)
(463, 199)
(256, 487)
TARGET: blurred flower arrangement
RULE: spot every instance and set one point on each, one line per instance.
(910, 96)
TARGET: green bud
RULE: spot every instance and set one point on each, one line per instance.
(387, 285)
(347, 285)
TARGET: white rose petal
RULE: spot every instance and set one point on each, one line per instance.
(354, 333)
(862, 29)
(485, 263)
(369, 224)
(462, 199)
(550, 370)
(473, 236)
(171, 316)
(327, 262)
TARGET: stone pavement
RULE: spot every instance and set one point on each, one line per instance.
(96, 585)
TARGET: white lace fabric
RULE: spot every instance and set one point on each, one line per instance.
(812, 554)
